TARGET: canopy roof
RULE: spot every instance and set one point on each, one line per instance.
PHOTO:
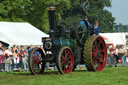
(20, 33)
(115, 38)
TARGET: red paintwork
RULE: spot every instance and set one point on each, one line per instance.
(110, 44)
(99, 54)
(103, 37)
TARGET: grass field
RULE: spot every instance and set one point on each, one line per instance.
(110, 76)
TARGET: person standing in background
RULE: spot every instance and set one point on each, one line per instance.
(24, 60)
(15, 57)
(112, 56)
(122, 53)
(8, 54)
(108, 57)
(20, 54)
(29, 48)
(116, 56)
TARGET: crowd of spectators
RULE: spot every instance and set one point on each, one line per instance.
(116, 55)
(14, 58)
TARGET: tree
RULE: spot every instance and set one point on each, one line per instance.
(32, 11)
(12, 10)
(120, 28)
(38, 13)
(95, 10)
(72, 16)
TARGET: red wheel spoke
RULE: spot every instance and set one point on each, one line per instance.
(63, 57)
(94, 46)
(94, 54)
(94, 59)
(65, 69)
(63, 60)
(99, 47)
(101, 51)
(66, 53)
(99, 66)
(99, 44)
(100, 61)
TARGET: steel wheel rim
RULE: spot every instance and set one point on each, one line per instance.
(37, 62)
(66, 61)
(99, 54)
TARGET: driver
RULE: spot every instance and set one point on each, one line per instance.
(84, 22)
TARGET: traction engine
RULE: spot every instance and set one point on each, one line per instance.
(68, 48)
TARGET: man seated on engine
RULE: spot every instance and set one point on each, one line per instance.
(95, 28)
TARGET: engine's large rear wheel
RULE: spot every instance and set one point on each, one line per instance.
(36, 61)
(95, 53)
(65, 60)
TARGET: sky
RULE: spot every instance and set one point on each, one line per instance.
(119, 10)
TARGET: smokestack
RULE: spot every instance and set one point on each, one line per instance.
(51, 13)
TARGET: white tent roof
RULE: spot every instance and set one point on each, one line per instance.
(115, 38)
(20, 33)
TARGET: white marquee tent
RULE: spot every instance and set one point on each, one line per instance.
(115, 38)
(20, 34)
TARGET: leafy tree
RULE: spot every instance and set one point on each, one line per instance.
(12, 10)
(38, 14)
(120, 28)
(95, 10)
(72, 16)
(32, 11)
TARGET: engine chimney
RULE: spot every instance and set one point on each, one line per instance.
(51, 13)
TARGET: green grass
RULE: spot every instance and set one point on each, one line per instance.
(110, 76)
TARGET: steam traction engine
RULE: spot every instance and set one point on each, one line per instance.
(68, 48)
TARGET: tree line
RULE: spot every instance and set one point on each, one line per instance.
(120, 28)
(68, 12)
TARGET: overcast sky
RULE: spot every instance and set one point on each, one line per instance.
(119, 10)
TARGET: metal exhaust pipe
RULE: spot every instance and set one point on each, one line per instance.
(51, 14)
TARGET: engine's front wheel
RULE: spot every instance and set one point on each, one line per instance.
(65, 60)
(36, 61)
(95, 53)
